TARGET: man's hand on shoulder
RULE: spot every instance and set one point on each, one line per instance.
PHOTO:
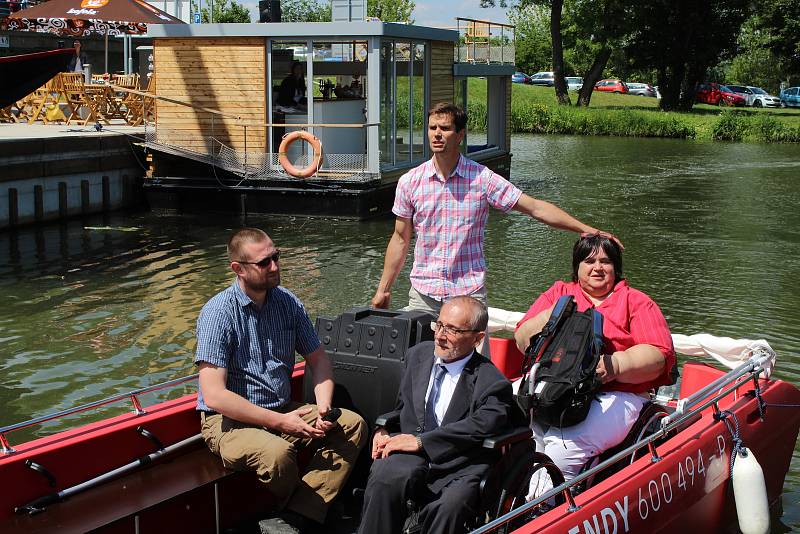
(292, 423)
(401, 443)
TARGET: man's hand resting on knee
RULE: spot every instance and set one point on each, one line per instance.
(292, 423)
(400, 443)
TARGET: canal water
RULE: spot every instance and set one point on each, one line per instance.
(712, 232)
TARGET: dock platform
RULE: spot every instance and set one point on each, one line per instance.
(50, 172)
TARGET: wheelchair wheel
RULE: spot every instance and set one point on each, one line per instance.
(517, 484)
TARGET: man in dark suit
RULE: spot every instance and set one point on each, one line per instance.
(450, 399)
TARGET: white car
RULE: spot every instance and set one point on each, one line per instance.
(761, 98)
(574, 83)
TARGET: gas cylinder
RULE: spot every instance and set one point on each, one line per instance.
(750, 494)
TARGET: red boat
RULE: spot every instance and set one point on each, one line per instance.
(149, 471)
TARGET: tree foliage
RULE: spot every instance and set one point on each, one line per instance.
(781, 20)
(755, 64)
(682, 40)
(305, 11)
(222, 11)
(391, 10)
(534, 51)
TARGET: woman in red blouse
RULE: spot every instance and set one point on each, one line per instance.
(638, 354)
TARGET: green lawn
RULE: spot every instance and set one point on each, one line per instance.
(616, 114)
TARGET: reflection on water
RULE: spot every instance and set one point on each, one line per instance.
(711, 230)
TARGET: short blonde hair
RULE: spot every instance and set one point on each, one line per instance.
(242, 236)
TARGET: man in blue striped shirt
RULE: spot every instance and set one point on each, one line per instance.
(247, 336)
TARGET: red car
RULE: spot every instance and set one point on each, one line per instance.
(611, 86)
(718, 95)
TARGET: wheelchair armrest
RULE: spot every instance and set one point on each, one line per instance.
(507, 438)
(391, 419)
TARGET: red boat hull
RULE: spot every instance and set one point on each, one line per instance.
(688, 488)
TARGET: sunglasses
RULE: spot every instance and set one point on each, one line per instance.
(264, 262)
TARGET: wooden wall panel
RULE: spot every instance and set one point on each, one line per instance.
(441, 72)
(225, 74)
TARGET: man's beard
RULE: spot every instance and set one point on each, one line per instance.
(265, 284)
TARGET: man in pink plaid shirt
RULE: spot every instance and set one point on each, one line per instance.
(446, 200)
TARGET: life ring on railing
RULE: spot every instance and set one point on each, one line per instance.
(316, 146)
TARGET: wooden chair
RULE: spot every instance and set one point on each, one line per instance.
(121, 99)
(141, 108)
(49, 93)
(75, 93)
(6, 115)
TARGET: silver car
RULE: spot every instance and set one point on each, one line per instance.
(763, 98)
(641, 89)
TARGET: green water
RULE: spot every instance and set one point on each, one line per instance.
(711, 230)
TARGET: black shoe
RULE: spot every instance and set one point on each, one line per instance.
(285, 523)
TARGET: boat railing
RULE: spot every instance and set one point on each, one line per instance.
(133, 396)
(482, 41)
(238, 144)
(693, 405)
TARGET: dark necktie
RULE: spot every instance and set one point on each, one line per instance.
(433, 396)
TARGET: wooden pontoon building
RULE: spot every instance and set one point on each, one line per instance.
(221, 113)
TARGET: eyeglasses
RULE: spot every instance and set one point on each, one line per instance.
(449, 330)
(264, 262)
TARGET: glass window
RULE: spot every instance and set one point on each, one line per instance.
(477, 113)
(289, 95)
(402, 136)
(402, 63)
(418, 117)
(386, 128)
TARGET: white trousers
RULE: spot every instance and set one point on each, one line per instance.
(610, 418)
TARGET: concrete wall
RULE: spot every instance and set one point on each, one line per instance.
(57, 178)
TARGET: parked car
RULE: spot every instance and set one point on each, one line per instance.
(790, 97)
(611, 86)
(520, 77)
(641, 89)
(543, 78)
(717, 95)
(743, 91)
(763, 98)
(574, 83)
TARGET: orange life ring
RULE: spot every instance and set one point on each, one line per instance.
(316, 146)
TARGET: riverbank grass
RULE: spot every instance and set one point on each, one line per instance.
(535, 110)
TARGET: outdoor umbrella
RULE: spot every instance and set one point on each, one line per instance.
(83, 17)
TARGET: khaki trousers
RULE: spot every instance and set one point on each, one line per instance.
(273, 457)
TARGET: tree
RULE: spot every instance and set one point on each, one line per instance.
(305, 11)
(391, 10)
(222, 11)
(781, 19)
(756, 64)
(682, 39)
(533, 50)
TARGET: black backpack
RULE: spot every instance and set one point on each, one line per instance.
(559, 381)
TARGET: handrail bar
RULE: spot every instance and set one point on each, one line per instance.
(752, 367)
(486, 22)
(237, 118)
(755, 362)
(133, 395)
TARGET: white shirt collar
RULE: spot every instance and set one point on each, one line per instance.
(455, 368)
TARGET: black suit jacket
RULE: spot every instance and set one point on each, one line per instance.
(482, 406)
